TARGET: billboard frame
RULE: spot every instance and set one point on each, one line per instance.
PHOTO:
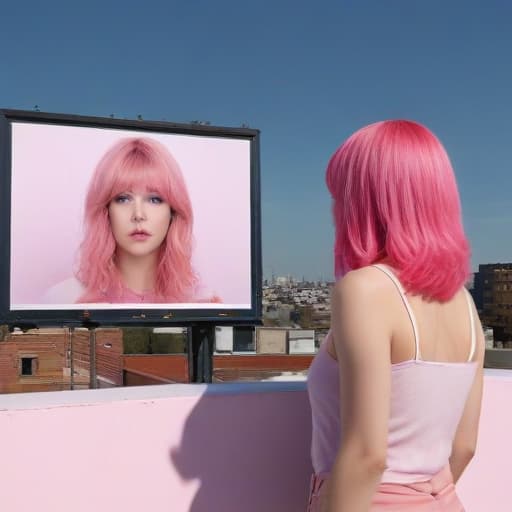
(125, 317)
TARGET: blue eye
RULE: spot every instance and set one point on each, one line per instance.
(156, 200)
(122, 198)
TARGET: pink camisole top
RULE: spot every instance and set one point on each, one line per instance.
(427, 401)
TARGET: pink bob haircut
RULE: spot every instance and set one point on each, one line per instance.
(395, 200)
(131, 164)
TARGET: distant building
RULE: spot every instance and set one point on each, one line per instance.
(52, 360)
(234, 339)
(270, 340)
(262, 353)
(301, 341)
(279, 340)
(492, 293)
(282, 281)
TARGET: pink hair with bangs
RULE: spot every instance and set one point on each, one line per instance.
(130, 164)
(395, 200)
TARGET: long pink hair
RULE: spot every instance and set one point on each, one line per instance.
(395, 200)
(129, 164)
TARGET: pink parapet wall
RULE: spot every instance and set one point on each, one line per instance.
(220, 448)
(485, 486)
(160, 449)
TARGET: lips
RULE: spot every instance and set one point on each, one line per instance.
(139, 235)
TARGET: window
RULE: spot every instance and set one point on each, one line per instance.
(28, 365)
(243, 339)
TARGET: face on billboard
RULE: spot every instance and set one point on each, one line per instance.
(139, 220)
(120, 219)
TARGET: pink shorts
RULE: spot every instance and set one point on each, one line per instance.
(436, 495)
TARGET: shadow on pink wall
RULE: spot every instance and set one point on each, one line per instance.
(218, 448)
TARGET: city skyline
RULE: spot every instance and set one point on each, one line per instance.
(305, 75)
(326, 279)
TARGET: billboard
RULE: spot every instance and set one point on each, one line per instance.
(115, 221)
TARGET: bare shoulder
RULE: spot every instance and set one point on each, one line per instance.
(362, 311)
(363, 284)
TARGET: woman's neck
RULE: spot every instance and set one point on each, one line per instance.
(137, 272)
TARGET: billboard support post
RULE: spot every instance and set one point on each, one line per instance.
(70, 353)
(201, 341)
(92, 359)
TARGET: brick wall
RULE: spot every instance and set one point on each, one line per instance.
(171, 367)
(50, 349)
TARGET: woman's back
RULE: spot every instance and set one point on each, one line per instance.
(403, 399)
(433, 365)
(445, 332)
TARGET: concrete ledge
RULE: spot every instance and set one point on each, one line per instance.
(50, 399)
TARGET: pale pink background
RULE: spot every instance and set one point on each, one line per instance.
(52, 166)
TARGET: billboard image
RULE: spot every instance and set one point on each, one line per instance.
(128, 217)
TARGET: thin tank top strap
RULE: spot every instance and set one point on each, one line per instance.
(472, 320)
(399, 287)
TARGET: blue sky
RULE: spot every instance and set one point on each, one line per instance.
(306, 74)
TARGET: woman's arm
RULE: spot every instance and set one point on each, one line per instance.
(464, 443)
(362, 333)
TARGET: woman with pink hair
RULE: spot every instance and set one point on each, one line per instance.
(395, 389)
(137, 245)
